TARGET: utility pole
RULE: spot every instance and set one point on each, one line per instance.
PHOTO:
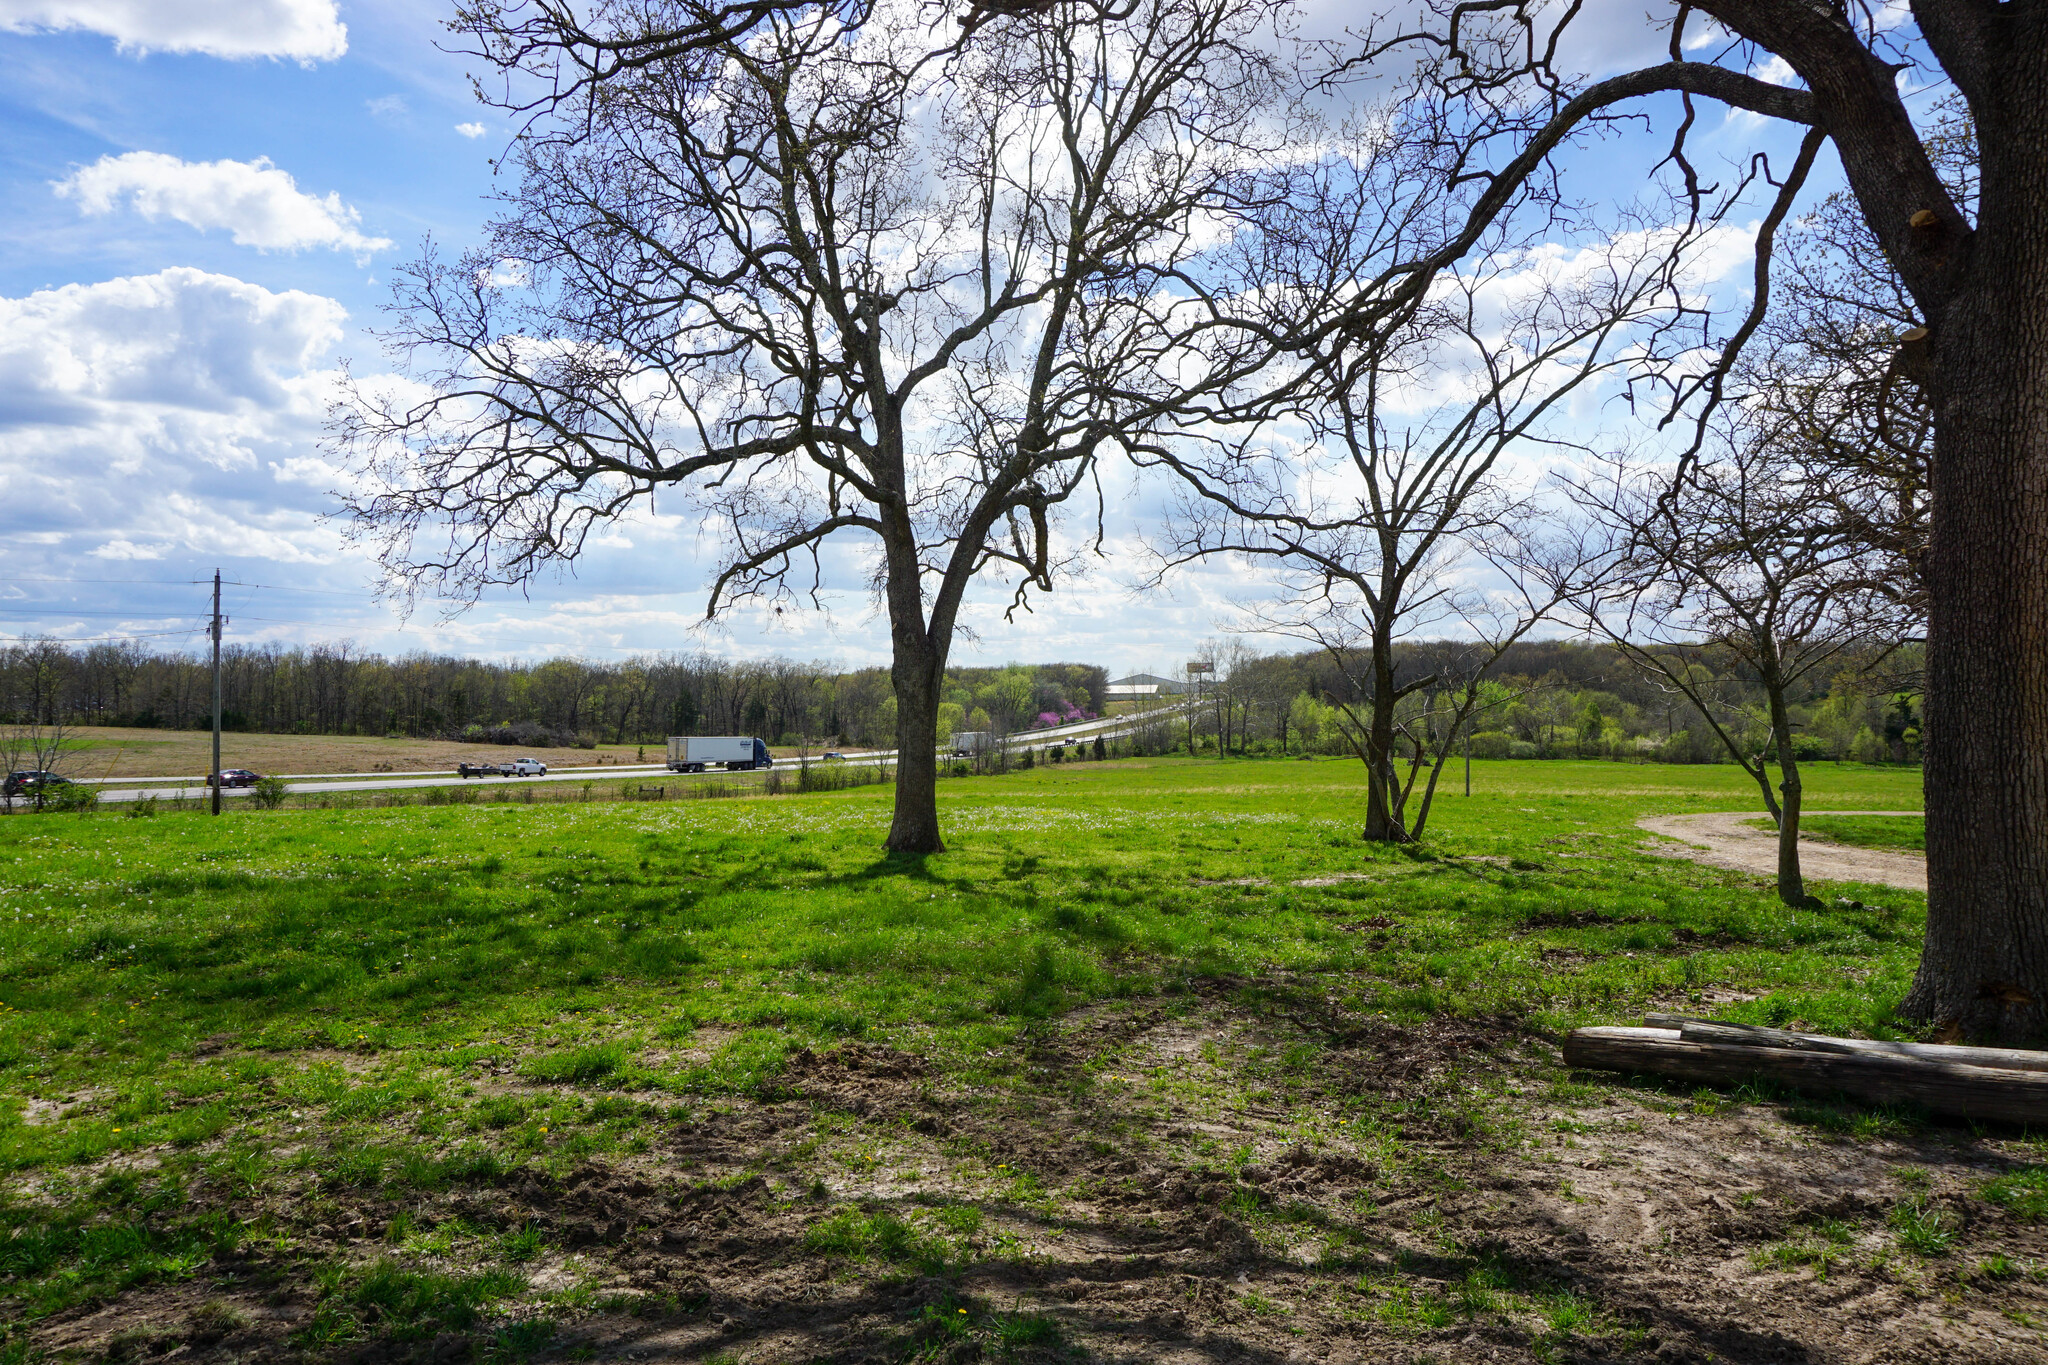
(216, 691)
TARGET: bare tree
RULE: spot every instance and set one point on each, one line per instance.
(1748, 558)
(1369, 472)
(1976, 281)
(1440, 687)
(35, 746)
(1826, 376)
(825, 279)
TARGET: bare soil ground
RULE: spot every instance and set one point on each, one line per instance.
(116, 752)
(1205, 1178)
(1726, 839)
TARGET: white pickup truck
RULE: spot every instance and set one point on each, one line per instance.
(735, 753)
(518, 767)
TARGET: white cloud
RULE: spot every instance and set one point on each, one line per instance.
(1776, 70)
(387, 107)
(309, 30)
(128, 549)
(471, 130)
(141, 415)
(260, 204)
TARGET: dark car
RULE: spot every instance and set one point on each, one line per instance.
(28, 781)
(236, 777)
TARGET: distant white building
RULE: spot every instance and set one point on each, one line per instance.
(1141, 685)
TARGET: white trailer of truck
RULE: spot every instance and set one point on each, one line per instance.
(734, 753)
(968, 743)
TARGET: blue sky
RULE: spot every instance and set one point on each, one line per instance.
(201, 201)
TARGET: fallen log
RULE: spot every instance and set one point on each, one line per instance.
(1756, 1035)
(1946, 1087)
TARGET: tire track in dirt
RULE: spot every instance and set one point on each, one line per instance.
(1724, 839)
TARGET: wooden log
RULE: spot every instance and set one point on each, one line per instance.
(1678, 1021)
(1973, 1092)
(1755, 1035)
(2006, 1058)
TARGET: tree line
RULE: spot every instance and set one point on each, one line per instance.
(1545, 698)
(1561, 698)
(338, 689)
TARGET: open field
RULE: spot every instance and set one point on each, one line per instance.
(1904, 832)
(1158, 1062)
(108, 751)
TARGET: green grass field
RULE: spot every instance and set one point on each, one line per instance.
(1904, 832)
(275, 1048)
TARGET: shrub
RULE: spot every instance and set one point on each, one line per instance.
(1691, 746)
(73, 796)
(1522, 748)
(268, 793)
(525, 733)
(1867, 747)
(1492, 744)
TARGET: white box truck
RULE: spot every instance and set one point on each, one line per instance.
(968, 743)
(694, 753)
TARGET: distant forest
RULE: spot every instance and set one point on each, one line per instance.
(339, 690)
(1547, 698)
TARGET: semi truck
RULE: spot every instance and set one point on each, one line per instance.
(735, 753)
(970, 743)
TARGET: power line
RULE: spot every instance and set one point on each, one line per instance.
(156, 582)
(98, 639)
(60, 611)
(482, 607)
(279, 587)
(474, 606)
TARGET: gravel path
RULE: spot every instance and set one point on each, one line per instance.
(1723, 839)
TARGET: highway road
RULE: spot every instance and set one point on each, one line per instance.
(312, 784)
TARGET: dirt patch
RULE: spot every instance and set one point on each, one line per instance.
(1336, 878)
(1724, 839)
(193, 1321)
(1327, 879)
(1195, 1179)
(1576, 919)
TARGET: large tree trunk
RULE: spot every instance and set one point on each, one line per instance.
(1382, 786)
(917, 669)
(1984, 966)
(915, 826)
(1791, 885)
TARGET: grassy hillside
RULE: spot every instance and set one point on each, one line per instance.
(353, 1065)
